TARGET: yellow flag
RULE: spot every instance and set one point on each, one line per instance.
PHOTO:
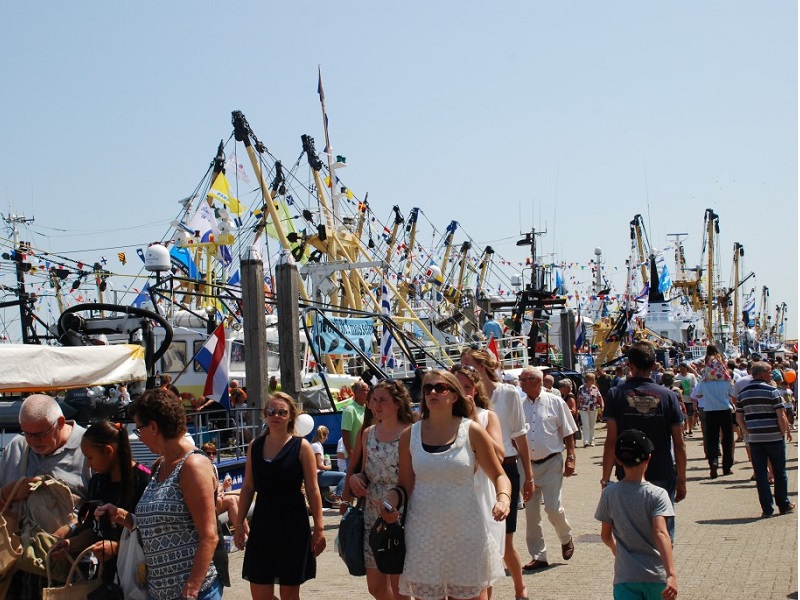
(221, 190)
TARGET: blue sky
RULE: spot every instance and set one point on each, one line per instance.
(568, 116)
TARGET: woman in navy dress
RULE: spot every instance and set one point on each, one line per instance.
(280, 548)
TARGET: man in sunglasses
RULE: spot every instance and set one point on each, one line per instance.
(48, 444)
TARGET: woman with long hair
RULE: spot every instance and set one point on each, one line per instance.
(507, 405)
(390, 404)
(116, 478)
(448, 554)
(473, 388)
(280, 548)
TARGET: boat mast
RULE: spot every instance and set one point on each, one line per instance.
(29, 335)
(712, 230)
(738, 251)
(637, 235)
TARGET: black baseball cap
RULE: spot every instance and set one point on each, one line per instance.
(633, 447)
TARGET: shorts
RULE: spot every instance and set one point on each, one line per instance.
(689, 408)
(649, 590)
(513, 474)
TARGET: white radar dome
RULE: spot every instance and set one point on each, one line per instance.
(156, 258)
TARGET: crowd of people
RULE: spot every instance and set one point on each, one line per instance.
(478, 450)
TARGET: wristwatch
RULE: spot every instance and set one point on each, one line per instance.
(570, 457)
(604, 482)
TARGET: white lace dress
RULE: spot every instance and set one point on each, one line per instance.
(484, 488)
(449, 551)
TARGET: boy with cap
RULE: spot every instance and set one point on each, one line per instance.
(634, 516)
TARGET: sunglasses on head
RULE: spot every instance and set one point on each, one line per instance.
(281, 412)
(439, 388)
(462, 367)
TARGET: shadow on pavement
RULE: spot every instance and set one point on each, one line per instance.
(735, 521)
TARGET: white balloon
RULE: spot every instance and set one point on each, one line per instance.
(303, 425)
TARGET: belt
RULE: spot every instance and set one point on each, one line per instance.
(510, 460)
(546, 458)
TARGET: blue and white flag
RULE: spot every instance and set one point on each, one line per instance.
(580, 332)
(387, 339)
(214, 359)
(559, 283)
(143, 297)
(664, 282)
(749, 309)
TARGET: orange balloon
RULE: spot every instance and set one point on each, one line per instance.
(790, 376)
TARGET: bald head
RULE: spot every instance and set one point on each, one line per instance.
(39, 407)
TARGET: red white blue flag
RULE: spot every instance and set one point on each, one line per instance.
(214, 359)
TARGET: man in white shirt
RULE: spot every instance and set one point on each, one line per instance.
(551, 431)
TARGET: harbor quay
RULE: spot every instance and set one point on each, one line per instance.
(723, 548)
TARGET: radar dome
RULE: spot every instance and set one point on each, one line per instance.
(156, 258)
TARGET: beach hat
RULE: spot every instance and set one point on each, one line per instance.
(633, 447)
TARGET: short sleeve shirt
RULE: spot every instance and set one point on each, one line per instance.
(352, 420)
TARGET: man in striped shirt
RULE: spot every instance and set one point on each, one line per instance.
(759, 413)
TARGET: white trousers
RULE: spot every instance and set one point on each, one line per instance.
(588, 419)
(547, 477)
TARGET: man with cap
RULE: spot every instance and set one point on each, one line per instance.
(634, 514)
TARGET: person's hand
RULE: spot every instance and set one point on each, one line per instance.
(358, 485)
(318, 542)
(23, 490)
(105, 549)
(389, 516)
(60, 549)
(190, 590)
(680, 490)
(671, 591)
(115, 515)
(527, 490)
(240, 534)
(500, 510)
(569, 466)
(343, 506)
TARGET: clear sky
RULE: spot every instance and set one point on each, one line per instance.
(567, 116)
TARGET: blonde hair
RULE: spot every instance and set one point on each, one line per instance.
(321, 435)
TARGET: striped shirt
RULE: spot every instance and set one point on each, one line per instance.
(169, 537)
(759, 402)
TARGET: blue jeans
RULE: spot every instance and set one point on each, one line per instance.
(670, 487)
(330, 479)
(775, 453)
(214, 592)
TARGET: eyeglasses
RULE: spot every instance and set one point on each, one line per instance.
(211, 454)
(281, 412)
(462, 367)
(439, 388)
(138, 430)
(40, 435)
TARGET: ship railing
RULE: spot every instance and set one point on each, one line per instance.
(230, 430)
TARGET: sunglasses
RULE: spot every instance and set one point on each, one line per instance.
(281, 412)
(439, 388)
(211, 453)
(461, 367)
(138, 430)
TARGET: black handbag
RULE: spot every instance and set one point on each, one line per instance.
(388, 540)
(351, 539)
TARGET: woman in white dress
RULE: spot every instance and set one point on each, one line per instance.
(471, 382)
(448, 554)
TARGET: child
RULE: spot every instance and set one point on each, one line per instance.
(116, 478)
(636, 512)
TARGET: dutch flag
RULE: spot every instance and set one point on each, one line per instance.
(214, 359)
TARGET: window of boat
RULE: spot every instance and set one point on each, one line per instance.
(174, 358)
(237, 352)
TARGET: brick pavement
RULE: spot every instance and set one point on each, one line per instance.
(723, 549)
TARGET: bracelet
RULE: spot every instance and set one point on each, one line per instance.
(507, 495)
(527, 481)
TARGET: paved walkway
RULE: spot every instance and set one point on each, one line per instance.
(723, 550)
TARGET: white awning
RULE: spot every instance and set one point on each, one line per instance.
(35, 368)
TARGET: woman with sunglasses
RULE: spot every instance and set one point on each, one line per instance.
(280, 548)
(390, 404)
(449, 552)
(175, 515)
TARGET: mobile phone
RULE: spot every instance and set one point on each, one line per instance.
(388, 506)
